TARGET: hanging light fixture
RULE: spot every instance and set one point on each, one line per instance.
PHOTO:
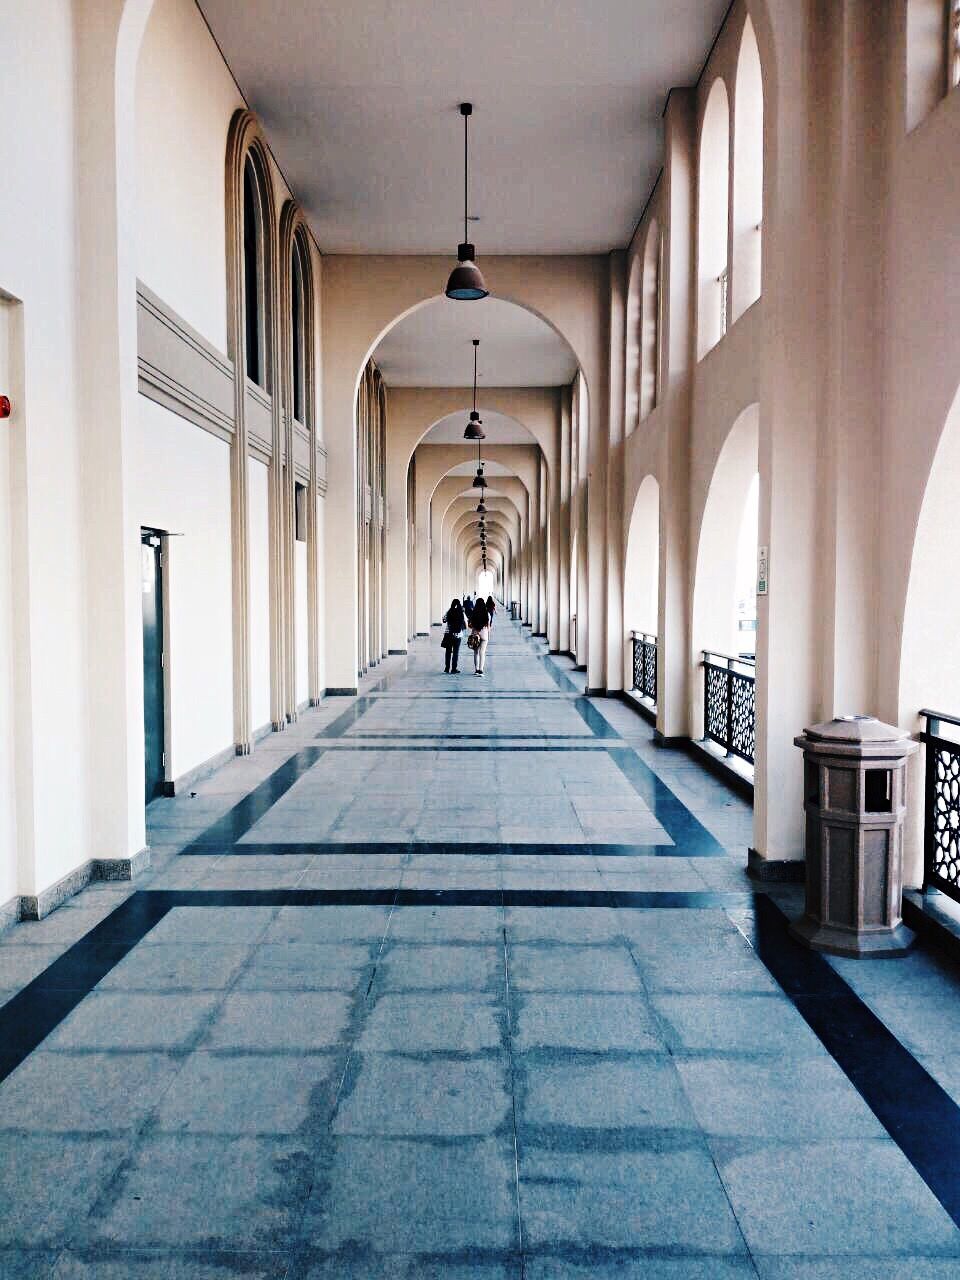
(474, 429)
(466, 284)
(478, 481)
(481, 509)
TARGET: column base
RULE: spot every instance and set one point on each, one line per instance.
(847, 942)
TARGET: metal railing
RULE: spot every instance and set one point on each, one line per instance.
(729, 703)
(645, 665)
(941, 810)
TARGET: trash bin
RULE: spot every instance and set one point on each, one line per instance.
(514, 610)
(854, 778)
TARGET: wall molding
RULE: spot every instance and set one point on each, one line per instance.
(180, 370)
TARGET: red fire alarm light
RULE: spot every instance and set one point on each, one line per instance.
(4, 406)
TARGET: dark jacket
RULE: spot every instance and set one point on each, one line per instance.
(479, 618)
(455, 620)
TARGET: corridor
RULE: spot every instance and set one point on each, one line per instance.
(452, 980)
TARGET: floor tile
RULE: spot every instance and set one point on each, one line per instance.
(401, 1196)
(436, 1097)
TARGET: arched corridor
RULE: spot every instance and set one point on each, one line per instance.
(350, 926)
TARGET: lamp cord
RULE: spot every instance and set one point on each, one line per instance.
(466, 206)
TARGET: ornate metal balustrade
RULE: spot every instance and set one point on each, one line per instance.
(729, 703)
(645, 665)
(941, 824)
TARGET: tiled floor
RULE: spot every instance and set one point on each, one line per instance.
(465, 979)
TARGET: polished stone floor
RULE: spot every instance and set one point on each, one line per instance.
(464, 978)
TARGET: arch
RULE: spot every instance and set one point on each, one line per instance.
(435, 298)
(650, 320)
(713, 204)
(747, 175)
(931, 620)
(641, 576)
(722, 534)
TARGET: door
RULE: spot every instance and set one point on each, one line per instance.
(153, 711)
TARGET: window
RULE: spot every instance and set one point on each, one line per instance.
(300, 511)
(297, 294)
(253, 274)
(713, 210)
(650, 321)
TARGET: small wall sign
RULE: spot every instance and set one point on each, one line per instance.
(763, 570)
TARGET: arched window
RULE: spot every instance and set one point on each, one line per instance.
(650, 321)
(747, 175)
(253, 275)
(298, 311)
(713, 219)
(634, 331)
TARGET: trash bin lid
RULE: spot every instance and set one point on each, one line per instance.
(866, 729)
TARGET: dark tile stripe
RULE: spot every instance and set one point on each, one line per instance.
(559, 676)
(351, 744)
(238, 820)
(706, 899)
(684, 828)
(919, 1115)
(493, 735)
(30, 1016)
(443, 847)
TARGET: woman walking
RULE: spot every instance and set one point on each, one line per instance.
(491, 608)
(455, 625)
(479, 635)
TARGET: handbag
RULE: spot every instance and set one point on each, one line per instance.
(445, 640)
(473, 640)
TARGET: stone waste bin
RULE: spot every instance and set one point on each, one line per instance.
(854, 780)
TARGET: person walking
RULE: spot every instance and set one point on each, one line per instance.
(456, 624)
(491, 608)
(479, 635)
(467, 607)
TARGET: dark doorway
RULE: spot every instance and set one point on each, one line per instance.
(151, 585)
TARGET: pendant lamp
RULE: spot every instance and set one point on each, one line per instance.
(466, 284)
(481, 509)
(474, 429)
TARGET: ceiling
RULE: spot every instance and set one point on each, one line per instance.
(497, 428)
(432, 347)
(359, 101)
(489, 469)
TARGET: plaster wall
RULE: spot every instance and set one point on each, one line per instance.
(181, 485)
(9, 335)
(185, 99)
(44, 509)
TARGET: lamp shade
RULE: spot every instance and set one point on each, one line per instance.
(473, 431)
(466, 283)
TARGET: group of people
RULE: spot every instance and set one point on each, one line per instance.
(475, 616)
